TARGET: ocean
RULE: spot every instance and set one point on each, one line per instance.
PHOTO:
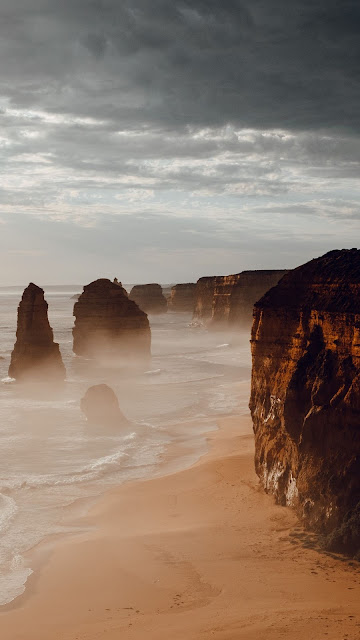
(52, 461)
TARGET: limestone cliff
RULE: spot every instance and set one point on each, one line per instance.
(182, 297)
(35, 356)
(110, 326)
(305, 394)
(149, 297)
(227, 301)
(204, 296)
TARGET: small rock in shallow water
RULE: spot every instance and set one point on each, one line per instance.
(101, 406)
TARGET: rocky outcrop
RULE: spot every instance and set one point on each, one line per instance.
(204, 296)
(305, 394)
(149, 297)
(109, 326)
(182, 297)
(35, 356)
(101, 406)
(226, 302)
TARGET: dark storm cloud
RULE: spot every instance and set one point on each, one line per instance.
(258, 63)
(134, 131)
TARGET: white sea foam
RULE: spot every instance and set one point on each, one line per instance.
(50, 459)
(8, 509)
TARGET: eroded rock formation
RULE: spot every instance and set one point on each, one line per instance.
(35, 356)
(204, 296)
(110, 326)
(227, 301)
(149, 297)
(101, 406)
(182, 297)
(305, 394)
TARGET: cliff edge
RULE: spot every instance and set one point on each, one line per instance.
(305, 394)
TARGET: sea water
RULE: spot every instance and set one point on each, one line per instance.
(50, 457)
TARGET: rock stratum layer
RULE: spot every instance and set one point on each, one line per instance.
(110, 326)
(35, 356)
(228, 301)
(305, 394)
(182, 297)
(149, 297)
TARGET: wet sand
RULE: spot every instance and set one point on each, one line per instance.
(201, 553)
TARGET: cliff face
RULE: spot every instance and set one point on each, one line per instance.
(149, 297)
(204, 295)
(182, 297)
(227, 301)
(35, 356)
(305, 393)
(108, 325)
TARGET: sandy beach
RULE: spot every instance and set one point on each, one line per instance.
(201, 553)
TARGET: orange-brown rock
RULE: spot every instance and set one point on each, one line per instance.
(227, 301)
(305, 394)
(182, 297)
(35, 356)
(204, 297)
(149, 297)
(109, 326)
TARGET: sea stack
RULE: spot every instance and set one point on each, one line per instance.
(226, 302)
(305, 394)
(110, 326)
(149, 298)
(35, 356)
(182, 297)
(101, 407)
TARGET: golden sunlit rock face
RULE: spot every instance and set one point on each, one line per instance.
(35, 356)
(305, 392)
(109, 326)
(227, 301)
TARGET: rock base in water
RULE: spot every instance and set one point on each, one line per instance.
(101, 407)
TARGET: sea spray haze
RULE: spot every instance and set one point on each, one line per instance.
(52, 461)
(110, 327)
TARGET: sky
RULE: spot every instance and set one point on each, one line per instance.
(161, 141)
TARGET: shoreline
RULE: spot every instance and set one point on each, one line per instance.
(203, 544)
(174, 460)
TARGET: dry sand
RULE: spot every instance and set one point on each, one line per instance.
(201, 553)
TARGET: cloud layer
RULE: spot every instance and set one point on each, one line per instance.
(235, 116)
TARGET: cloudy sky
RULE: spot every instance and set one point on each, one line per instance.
(164, 140)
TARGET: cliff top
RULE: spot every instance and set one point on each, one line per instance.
(152, 285)
(328, 283)
(184, 284)
(104, 284)
(249, 272)
(32, 290)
